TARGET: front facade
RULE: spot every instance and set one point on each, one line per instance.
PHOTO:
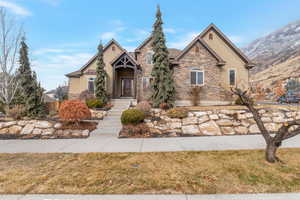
(211, 60)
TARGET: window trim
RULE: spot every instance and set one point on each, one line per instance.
(235, 75)
(197, 84)
(88, 82)
(147, 56)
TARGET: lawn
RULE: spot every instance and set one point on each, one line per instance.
(151, 173)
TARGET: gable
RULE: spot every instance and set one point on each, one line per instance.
(222, 45)
(197, 51)
(110, 52)
(200, 42)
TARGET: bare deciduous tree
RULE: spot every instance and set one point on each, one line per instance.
(10, 36)
(287, 130)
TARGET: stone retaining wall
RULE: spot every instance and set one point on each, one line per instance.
(34, 129)
(218, 122)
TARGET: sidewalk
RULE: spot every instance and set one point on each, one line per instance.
(287, 196)
(109, 143)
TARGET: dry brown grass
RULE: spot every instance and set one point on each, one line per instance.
(236, 107)
(140, 173)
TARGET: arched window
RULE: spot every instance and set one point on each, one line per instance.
(211, 36)
(149, 56)
(197, 49)
(113, 48)
(197, 77)
(91, 85)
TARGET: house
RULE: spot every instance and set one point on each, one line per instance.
(211, 60)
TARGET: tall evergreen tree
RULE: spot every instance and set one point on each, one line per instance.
(30, 93)
(24, 75)
(100, 90)
(163, 83)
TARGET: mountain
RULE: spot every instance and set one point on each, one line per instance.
(275, 48)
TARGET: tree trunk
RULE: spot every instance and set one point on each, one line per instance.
(271, 152)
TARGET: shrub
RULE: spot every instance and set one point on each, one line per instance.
(2, 110)
(145, 107)
(195, 95)
(16, 112)
(164, 106)
(132, 116)
(86, 95)
(94, 103)
(178, 112)
(74, 111)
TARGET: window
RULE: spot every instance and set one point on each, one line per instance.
(197, 49)
(211, 36)
(149, 56)
(147, 81)
(113, 48)
(91, 85)
(197, 77)
(232, 77)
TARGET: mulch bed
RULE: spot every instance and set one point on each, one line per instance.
(80, 126)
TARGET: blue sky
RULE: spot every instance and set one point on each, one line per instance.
(63, 34)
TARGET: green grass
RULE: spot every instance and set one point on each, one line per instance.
(158, 173)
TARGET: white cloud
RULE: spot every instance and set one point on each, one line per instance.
(169, 30)
(51, 68)
(139, 35)
(45, 51)
(184, 40)
(108, 35)
(130, 48)
(52, 2)
(236, 39)
(15, 8)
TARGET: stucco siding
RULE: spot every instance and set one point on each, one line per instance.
(232, 59)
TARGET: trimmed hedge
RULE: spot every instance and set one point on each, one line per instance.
(132, 116)
(94, 103)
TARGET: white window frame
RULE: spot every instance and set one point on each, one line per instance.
(147, 57)
(197, 84)
(235, 75)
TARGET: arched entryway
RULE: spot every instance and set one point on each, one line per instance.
(124, 77)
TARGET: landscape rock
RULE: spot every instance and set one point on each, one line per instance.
(189, 121)
(225, 122)
(241, 130)
(42, 124)
(174, 125)
(228, 131)
(190, 129)
(57, 125)
(27, 129)
(37, 131)
(254, 129)
(210, 128)
(48, 131)
(15, 129)
(203, 119)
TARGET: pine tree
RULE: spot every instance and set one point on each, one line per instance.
(24, 75)
(163, 83)
(30, 93)
(100, 90)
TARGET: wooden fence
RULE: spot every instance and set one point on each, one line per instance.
(53, 106)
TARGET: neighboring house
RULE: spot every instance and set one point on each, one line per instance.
(52, 93)
(211, 60)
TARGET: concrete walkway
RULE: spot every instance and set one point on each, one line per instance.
(107, 143)
(287, 196)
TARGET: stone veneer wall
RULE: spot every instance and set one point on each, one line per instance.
(219, 122)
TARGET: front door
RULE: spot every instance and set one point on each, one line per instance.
(127, 87)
